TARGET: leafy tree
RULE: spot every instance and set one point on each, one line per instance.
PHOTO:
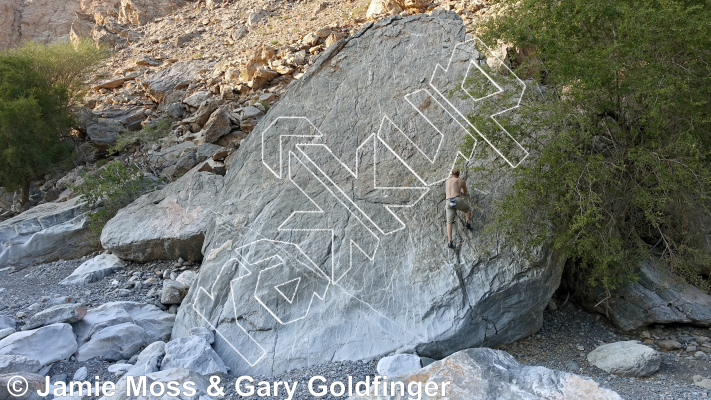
(621, 161)
(63, 63)
(37, 86)
(33, 120)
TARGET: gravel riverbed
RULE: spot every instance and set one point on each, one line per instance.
(567, 336)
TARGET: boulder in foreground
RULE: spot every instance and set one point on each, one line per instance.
(493, 374)
(10, 364)
(157, 324)
(193, 353)
(34, 383)
(94, 269)
(67, 313)
(657, 297)
(165, 224)
(629, 358)
(46, 345)
(45, 233)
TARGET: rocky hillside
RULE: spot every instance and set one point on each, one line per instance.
(240, 54)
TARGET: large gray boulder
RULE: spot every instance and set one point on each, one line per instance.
(157, 324)
(105, 125)
(45, 233)
(7, 322)
(10, 364)
(161, 83)
(34, 383)
(494, 374)
(305, 264)
(147, 361)
(193, 353)
(46, 345)
(94, 269)
(629, 358)
(165, 224)
(113, 343)
(68, 313)
(657, 297)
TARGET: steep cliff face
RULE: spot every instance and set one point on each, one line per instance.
(45, 21)
(10, 16)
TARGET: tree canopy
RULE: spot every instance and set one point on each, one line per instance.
(621, 162)
(37, 85)
(33, 119)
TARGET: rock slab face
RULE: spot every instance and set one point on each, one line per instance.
(46, 345)
(305, 264)
(116, 342)
(47, 21)
(628, 358)
(68, 313)
(45, 233)
(166, 224)
(157, 324)
(6, 332)
(657, 297)
(34, 383)
(399, 364)
(95, 269)
(7, 322)
(493, 374)
(193, 353)
(10, 364)
(147, 362)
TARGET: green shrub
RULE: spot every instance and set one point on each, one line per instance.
(63, 63)
(110, 189)
(145, 137)
(620, 166)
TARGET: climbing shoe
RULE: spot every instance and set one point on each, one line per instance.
(450, 245)
(468, 225)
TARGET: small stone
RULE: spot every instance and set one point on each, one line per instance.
(702, 382)
(80, 374)
(251, 112)
(268, 97)
(119, 368)
(398, 364)
(173, 292)
(310, 39)
(572, 366)
(239, 33)
(669, 345)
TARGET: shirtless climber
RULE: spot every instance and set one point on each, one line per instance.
(453, 188)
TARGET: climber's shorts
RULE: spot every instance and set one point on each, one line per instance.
(462, 205)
